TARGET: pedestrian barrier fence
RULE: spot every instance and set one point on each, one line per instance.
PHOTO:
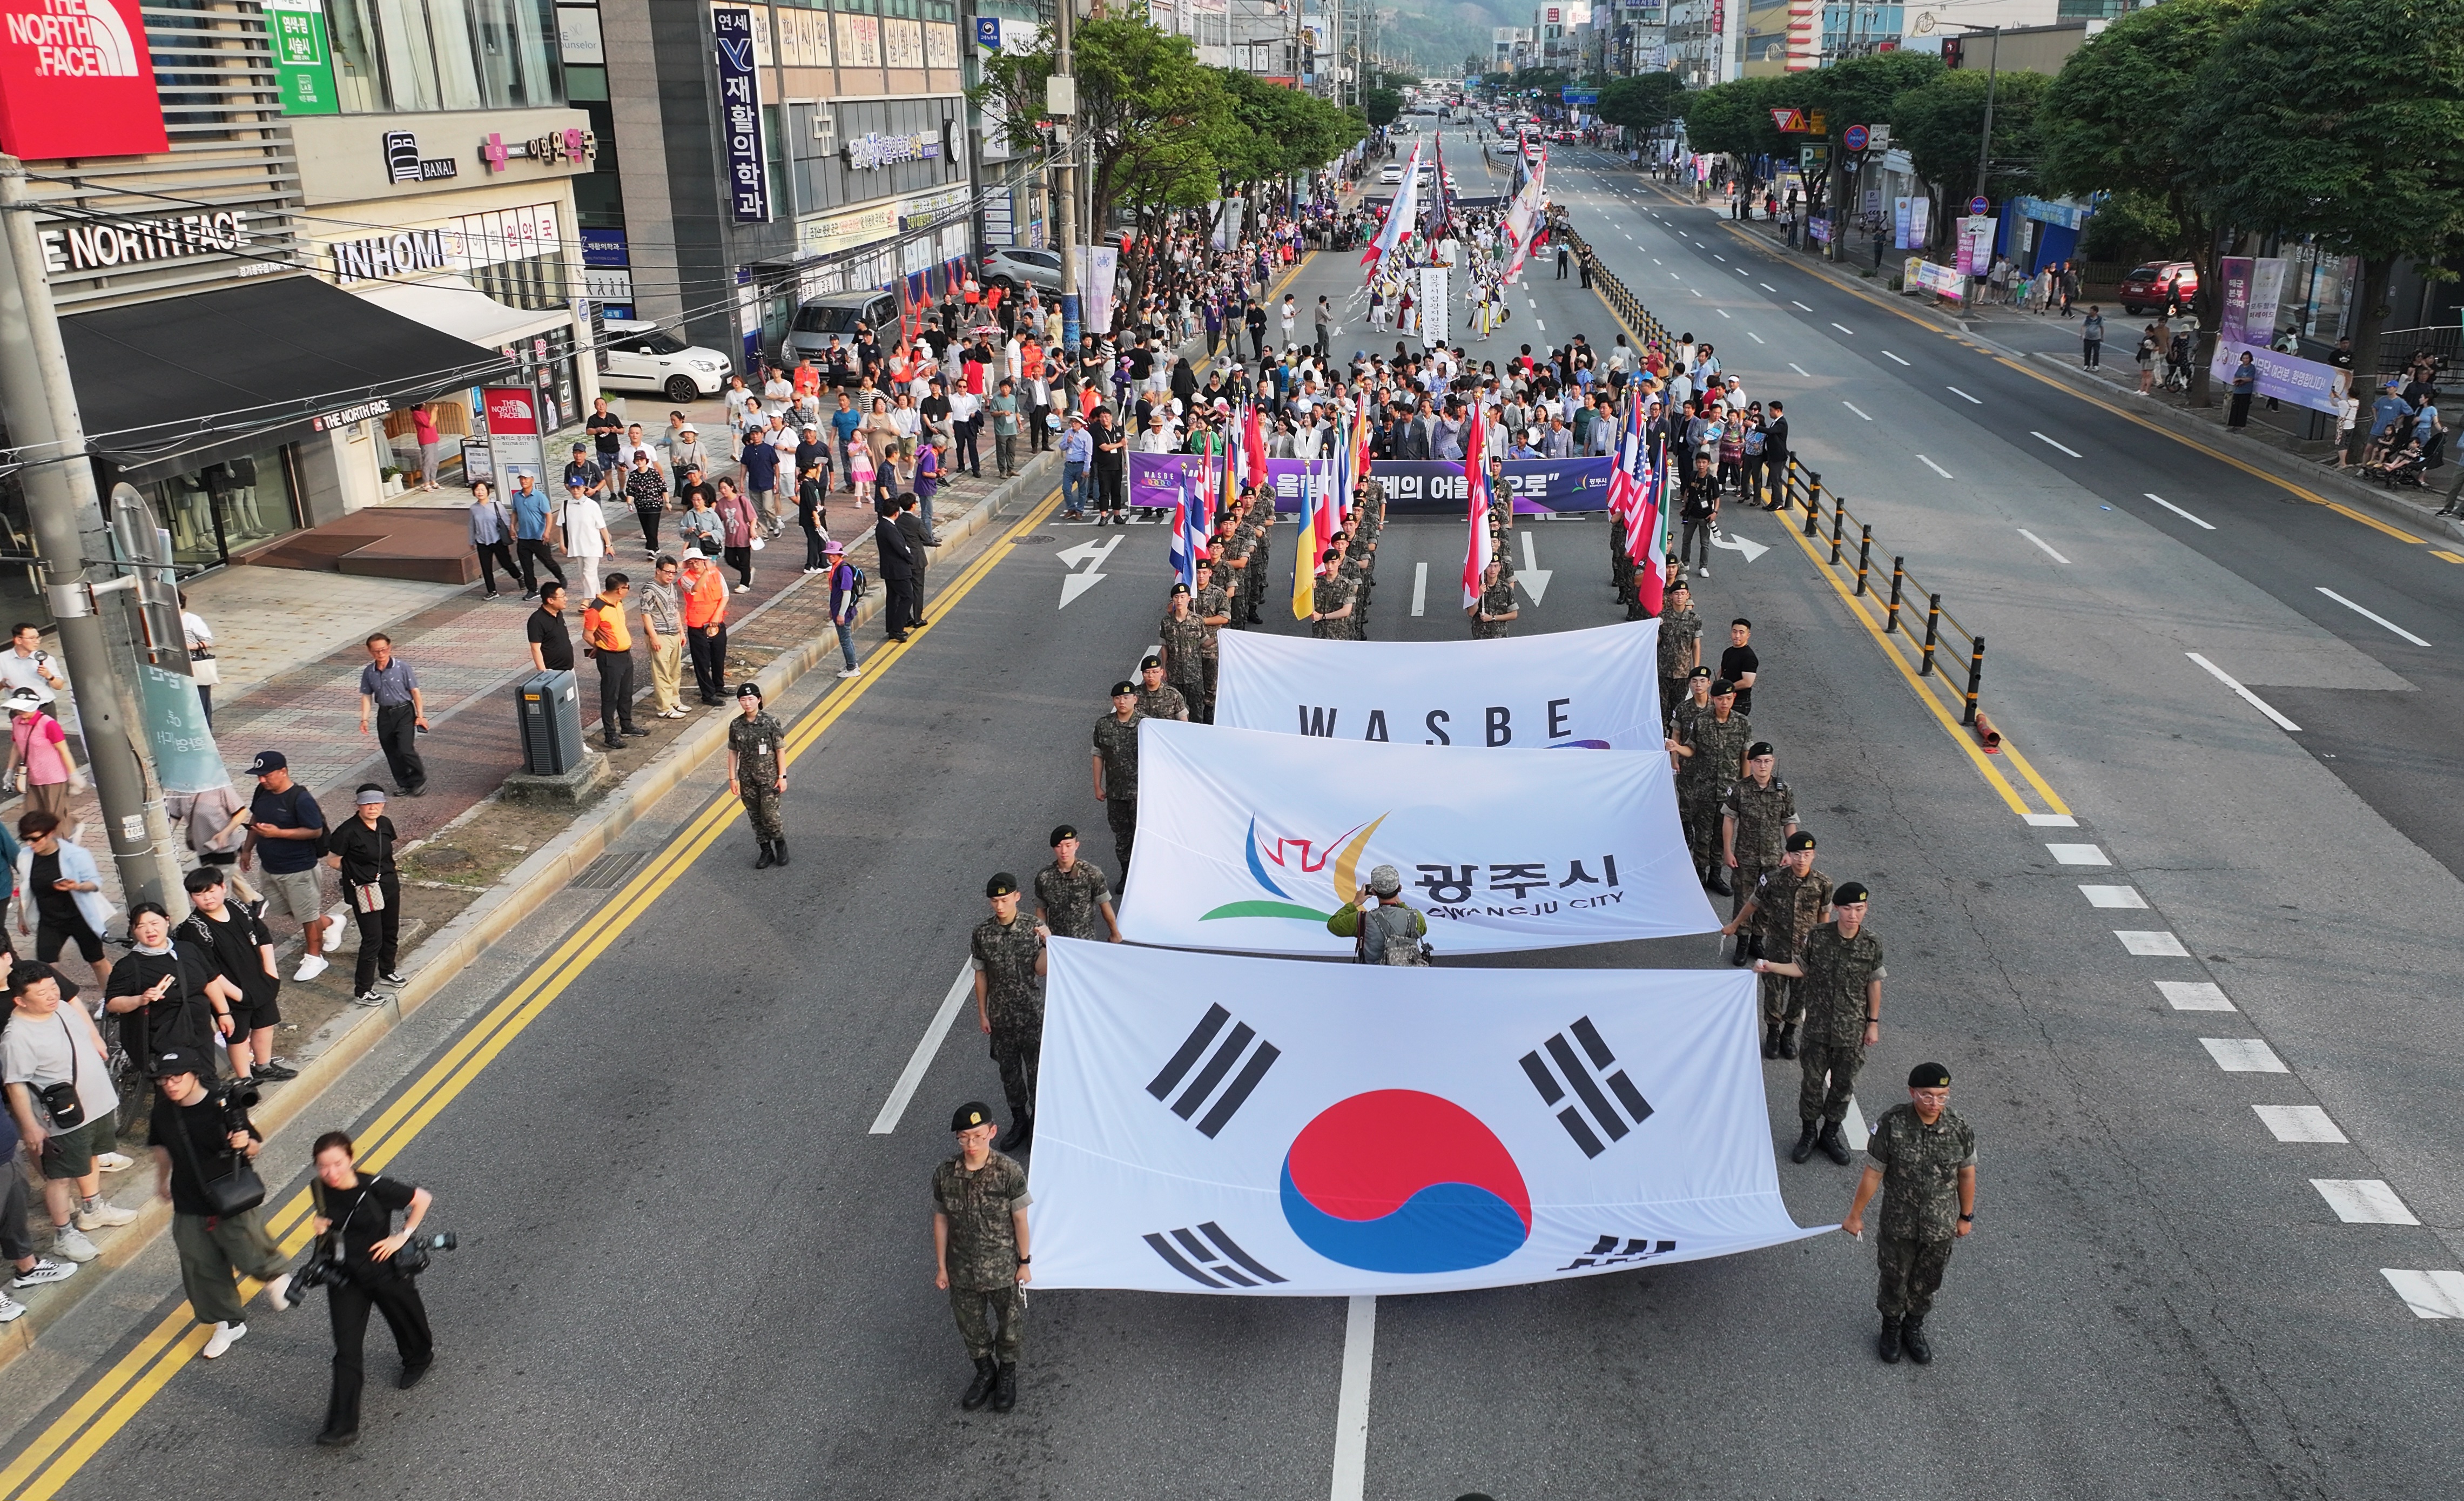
(1802, 488)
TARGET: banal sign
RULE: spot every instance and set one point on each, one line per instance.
(76, 80)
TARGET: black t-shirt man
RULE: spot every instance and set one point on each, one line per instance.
(1734, 663)
(182, 1019)
(208, 1150)
(548, 632)
(606, 431)
(1141, 364)
(231, 944)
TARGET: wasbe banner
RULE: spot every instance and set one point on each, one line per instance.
(1211, 1123)
(1247, 840)
(1596, 688)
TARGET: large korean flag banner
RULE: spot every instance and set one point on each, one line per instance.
(1247, 840)
(1215, 1124)
(1596, 688)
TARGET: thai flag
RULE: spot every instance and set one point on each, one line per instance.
(1476, 487)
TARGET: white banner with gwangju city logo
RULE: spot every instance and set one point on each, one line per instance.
(1248, 840)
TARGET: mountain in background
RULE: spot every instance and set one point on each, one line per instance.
(1438, 34)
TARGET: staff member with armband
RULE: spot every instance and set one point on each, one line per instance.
(355, 1218)
(362, 849)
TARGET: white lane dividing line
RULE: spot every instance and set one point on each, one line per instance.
(2301, 1123)
(2363, 1201)
(1722, 259)
(2058, 447)
(1793, 302)
(2152, 943)
(1936, 468)
(1756, 337)
(2430, 1295)
(2041, 542)
(1352, 1400)
(1766, 286)
(1742, 271)
(2050, 820)
(2177, 510)
(1963, 395)
(1694, 291)
(2243, 1055)
(2247, 697)
(1851, 407)
(962, 990)
(1845, 329)
(1655, 260)
(1894, 359)
(2118, 897)
(2194, 995)
(2077, 854)
(2371, 614)
(1419, 588)
(1538, 324)
(1722, 311)
(1800, 369)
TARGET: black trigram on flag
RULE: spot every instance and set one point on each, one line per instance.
(1587, 1089)
(1615, 1250)
(1208, 1256)
(1218, 1065)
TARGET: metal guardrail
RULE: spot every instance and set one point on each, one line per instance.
(1803, 487)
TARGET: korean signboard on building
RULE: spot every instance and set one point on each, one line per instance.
(740, 97)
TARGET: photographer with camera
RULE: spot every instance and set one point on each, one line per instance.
(366, 1263)
(204, 1145)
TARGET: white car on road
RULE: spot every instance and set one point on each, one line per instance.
(641, 357)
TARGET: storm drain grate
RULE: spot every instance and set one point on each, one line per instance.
(609, 871)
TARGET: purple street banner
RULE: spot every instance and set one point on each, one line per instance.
(1539, 486)
(2304, 383)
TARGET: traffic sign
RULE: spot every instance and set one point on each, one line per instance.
(1977, 205)
(1853, 138)
(1790, 121)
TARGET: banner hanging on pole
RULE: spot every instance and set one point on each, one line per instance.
(1251, 1127)
(1250, 840)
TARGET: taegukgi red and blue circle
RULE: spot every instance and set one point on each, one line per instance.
(1400, 1180)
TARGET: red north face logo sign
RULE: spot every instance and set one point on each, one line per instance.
(76, 80)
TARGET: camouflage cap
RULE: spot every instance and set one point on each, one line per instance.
(1385, 880)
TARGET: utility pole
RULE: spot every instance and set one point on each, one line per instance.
(71, 535)
(1060, 102)
(1985, 144)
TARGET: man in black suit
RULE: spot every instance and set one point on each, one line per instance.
(1776, 457)
(910, 522)
(899, 571)
(1412, 438)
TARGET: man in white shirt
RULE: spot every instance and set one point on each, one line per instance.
(778, 390)
(585, 536)
(635, 442)
(25, 665)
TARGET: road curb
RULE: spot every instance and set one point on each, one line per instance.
(512, 900)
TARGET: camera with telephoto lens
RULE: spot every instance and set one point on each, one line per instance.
(235, 1098)
(417, 1251)
(321, 1269)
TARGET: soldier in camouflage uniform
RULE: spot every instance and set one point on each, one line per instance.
(1681, 642)
(1073, 897)
(1007, 950)
(1353, 568)
(1331, 598)
(1157, 700)
(1684, 712)
(1713, 746)
(1922, 1160)
(1116, 769)
(1785, 906)
(1214, 611)
(1183, 636)
(1369, 520)
(1495, 609)
(979, 1250)
(756, 773)
(1389, 933)
(1230, 555)
(1841, 965)
(1262, 522)
(1756, 820)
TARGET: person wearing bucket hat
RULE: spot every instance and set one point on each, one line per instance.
(1921, 1159)
(1389, 933)
(756, 772)
(981, 1254)
(1840, 963)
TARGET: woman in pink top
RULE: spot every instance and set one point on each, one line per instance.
(38, 755)
(431, 443)
(736, 513)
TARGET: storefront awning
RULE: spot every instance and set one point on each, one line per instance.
(175, 384)
(451, 305)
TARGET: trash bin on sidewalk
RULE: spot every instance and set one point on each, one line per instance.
(549, 707)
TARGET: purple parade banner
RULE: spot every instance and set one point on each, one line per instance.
(1421, 487)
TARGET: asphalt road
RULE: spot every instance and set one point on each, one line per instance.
(691, 1266)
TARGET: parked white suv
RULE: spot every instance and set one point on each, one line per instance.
(643, 358)
(1020, 268)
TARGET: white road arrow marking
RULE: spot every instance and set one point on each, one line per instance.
(1092, 553)
(1744, 544)
(1534, 577)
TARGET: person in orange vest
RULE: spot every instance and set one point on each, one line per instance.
(705, 601)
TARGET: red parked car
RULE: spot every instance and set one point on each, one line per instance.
(2160, 285)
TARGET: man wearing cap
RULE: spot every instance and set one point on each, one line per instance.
(1756, 818)
(1495, 609)
(1116, 769)
(1682, 711)
(194, 1140)
(1183, 637)
(1391, 932)
(980, 1254)
(1681, 640)
(1712, 752)
(902, 571)
(1841, 965)
(362, 849)
(1783, 907)
(1077, 464)
(1213, 608)
(1007, 951)
(1922, 1161)
(1072, 897)
(755, 774)
(1228, 556)
(581, 473)
(285, 824)
(1157, 699)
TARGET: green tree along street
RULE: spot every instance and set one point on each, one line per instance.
(1384, 106)
(1643, 103)
(1858, 91)
(2340, 119)
(1938, 125)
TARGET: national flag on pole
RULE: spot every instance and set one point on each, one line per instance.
(1305, 550)
(1399, 216)
(1476, 487)
(1329, 519)
(1254, 444)
(1188, 533)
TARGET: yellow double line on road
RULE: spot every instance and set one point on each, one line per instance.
(107, 1405)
